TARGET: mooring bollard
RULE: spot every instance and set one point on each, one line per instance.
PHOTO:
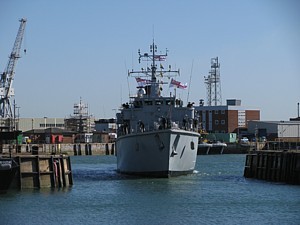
(75, 149)
(106, 149)
(35, 150)
(79, 149)
(90, 149)
(86, 149)
(112, 149)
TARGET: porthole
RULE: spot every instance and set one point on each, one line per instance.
(192, 145)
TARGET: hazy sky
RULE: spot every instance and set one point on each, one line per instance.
(83, 48)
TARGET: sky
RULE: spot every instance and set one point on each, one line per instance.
(82, 49)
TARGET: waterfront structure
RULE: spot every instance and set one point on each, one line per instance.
(276, 166)
(106, 125)
(43, 171)
(48, 136)
(80, 122)
(230, 118)
(25, 124)
(77, 128)
(50, 130)
(156, 134)
(284, 131)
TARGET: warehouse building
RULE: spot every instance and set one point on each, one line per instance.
(25, 124)
(287, 131)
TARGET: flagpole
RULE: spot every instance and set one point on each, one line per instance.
(175, 92)
(188, 95)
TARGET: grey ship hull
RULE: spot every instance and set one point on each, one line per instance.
(161, 153)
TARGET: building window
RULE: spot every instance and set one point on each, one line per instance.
(216, 111)
(43, 125)
(222, 122)
(216, 122)
(222, 111)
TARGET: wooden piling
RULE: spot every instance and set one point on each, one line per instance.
(36, 171)
(277, 166)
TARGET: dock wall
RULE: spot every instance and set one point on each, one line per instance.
(277, 166)
(68, 149)
(43, 172)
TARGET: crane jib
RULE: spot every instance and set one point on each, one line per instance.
(7, 77)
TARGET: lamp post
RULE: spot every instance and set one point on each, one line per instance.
(297, 138)
(45, 121)
(298, 127)
(298, 118)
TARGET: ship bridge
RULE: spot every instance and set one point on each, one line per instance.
(154, 113)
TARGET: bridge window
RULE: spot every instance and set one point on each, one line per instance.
(147, 102)
(158, 102)
(169, 102)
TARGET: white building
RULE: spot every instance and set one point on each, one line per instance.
(276, 130)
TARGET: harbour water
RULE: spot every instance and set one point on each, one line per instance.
(217, 193)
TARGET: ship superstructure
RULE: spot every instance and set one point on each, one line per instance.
(156, 134)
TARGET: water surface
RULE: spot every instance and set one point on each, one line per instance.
(217, 193)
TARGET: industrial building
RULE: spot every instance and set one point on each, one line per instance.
(285, 131)
(25, 124)
(80, 121)
(229, 118)
(106, 125)
(218, 118)
(61, 130)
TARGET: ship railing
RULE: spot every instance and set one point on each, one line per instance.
(140, 128)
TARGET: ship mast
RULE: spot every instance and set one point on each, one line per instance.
(154, 86)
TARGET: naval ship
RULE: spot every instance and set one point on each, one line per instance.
(157, 135)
